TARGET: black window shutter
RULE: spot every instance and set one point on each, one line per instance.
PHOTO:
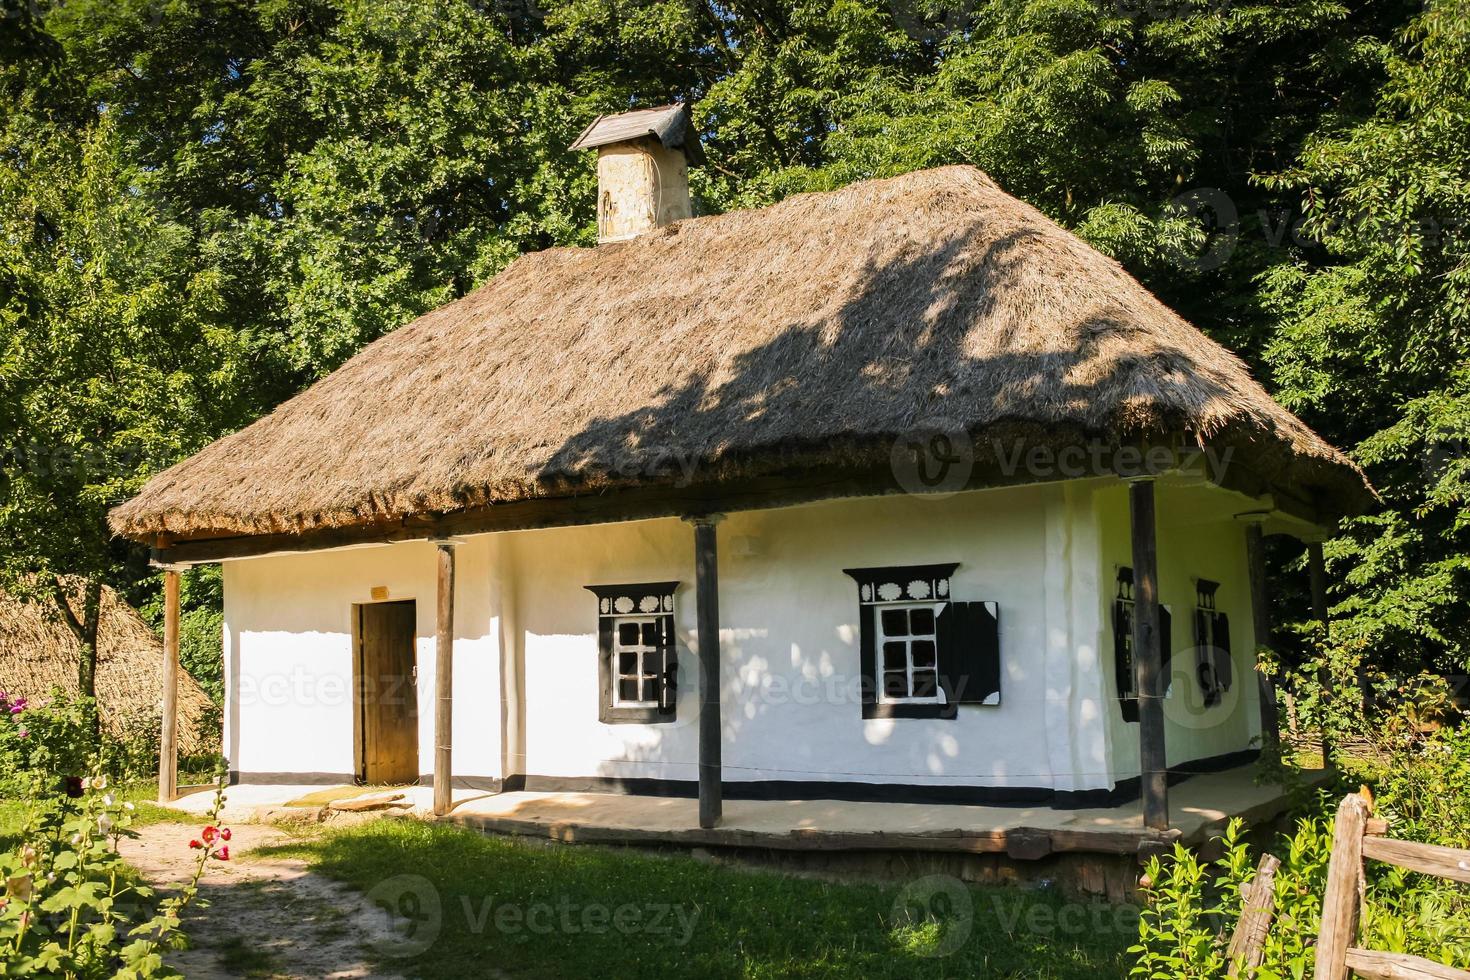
(1123, 659)
(969, 653)
(668, 688)
(1204, 658)
(867, 659)
(1166, 649)
(604, 670)
(1224, 666)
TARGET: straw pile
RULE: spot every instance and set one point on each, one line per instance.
(811, 333)
(38, 652)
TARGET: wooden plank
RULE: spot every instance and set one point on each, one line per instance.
(360, 803)
(1255, 547)
(1147, 657)
(1431, 859)
(1341, 900)
(1248, 945)
(168, 745)
(444, 682)
(707, 600)
(1373, 965)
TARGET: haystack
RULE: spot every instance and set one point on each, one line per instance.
(810, 334)
(38, 652)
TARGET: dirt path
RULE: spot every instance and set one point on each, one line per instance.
(267, 917)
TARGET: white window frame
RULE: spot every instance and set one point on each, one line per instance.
(881, 639)
(643, 651)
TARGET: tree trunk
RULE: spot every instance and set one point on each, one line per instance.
(84, 627)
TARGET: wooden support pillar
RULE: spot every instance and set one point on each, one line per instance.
(1148, 658)
(168, 743)
(444, 682)
(1318, 568)
(707, 602)
(1255, 545)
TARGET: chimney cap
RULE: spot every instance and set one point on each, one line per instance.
(672, 125)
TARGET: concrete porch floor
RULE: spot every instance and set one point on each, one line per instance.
(1200, 807)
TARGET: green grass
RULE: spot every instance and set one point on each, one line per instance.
(467, 903)
(13, 813)
(241, 957)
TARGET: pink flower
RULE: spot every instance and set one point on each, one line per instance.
(22, 733)
(210, 833)
(223, 853)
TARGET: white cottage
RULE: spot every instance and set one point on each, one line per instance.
(898, 492)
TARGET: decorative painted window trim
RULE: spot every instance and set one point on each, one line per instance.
(637, 653)
(1123, 603)
(921, 653)
(1214, 668)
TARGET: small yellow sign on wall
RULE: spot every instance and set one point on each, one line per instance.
(380, 593)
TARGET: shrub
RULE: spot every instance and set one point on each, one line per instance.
(48, 740)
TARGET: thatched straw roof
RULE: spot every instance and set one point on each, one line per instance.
(38, 652)
(808, 333)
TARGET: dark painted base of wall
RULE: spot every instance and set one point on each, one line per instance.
(487, 784)
(1125, 791)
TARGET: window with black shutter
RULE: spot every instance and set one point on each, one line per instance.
(1213, 667)
(921, 653)
(637, 654)
(1123, 646)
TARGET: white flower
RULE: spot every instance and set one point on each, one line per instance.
(100, 782)
(129, 807)
(109, 800)
(104, 823)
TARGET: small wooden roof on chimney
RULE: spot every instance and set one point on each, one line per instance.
(671, 125)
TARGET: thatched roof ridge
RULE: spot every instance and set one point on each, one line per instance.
(815, 330)
(38, 652)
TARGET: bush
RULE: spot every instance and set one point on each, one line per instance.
(48, 741)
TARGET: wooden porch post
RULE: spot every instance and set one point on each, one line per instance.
(1318, 569)
(707, 601)
(1147, 657)
(168, 743)
(444, 681)
(1255, 545)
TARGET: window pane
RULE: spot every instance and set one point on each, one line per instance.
(628, 689)
(923, 620)
(627, 662)
(895, 622)
(926, 684)
(650, 634)
(923, 653)
(893, 656)
(650, 689)
(896, 684)
(628, 634)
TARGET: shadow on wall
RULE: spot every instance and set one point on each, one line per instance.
(895, 359)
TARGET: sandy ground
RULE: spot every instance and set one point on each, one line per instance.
(267, 917)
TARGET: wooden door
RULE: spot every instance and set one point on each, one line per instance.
(386, 682)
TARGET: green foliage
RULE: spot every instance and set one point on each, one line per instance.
(71, 908)
(44, 743)
(1194, 905)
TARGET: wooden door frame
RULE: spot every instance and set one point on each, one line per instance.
(359, 734)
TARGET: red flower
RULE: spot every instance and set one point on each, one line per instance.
(223, 853)
(224, 833)
(209, 834)
(195, 844)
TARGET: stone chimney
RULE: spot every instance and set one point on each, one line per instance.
(642, 169)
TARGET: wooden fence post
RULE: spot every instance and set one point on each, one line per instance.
(1343, 898)
(1248, 945)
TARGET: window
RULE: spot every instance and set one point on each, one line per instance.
(638, 661)
(1213, 666)
(921, 653)
(1123, 646)
(909, 642)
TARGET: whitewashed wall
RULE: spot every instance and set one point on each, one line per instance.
(289, 658)
(526, 659)
(1198, 537)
